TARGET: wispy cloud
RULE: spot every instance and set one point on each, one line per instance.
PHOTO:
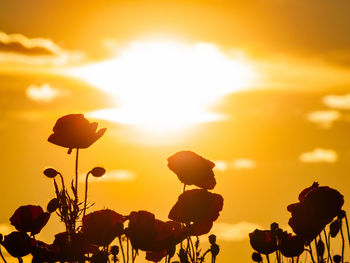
(234, 232)
(340, 102)
(111, 176)
(319, 155)
(237, 164)
(44, 92)
(324, 119)
(17, 48)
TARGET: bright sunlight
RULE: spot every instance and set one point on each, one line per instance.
(166, 86)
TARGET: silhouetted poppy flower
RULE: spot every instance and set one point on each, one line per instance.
(150, 234)
(102, 226)
(303, 193)
(192, 169)
(199, 207)
(74, 131)
(29, 218)
(291, 245)
(256, 257)
(317, 208)
(75, 249)
(263, 241)
(18, 244)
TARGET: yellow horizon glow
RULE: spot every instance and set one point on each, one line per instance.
(166, 86)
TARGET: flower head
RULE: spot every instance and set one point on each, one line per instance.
(18, 244)
(318, 207)
(291, 245)
(101, 227)
(74, 131)
(29, 218)
(192, 169)
(263, 241)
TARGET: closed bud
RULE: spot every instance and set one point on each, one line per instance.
(334, 228)
(98, 171)
(274, 226)
(320, 248)
(114, 250)
(214, 249)
(337, 259)
(256, 257)
(342, 214)
(212, 239)
(50, 172)
(52, 205)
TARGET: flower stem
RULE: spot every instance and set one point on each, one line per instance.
(347, 228)
(328, 248)
(267, 258)
(76, 172)
(127, 250)
(86, 190)
(343, 241)
(121, 246)
(310, 251)
(2, 256)
(317, 254)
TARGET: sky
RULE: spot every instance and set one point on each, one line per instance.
(259, 87)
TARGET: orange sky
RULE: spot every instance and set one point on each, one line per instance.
(286, 129)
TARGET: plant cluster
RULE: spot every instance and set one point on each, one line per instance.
(89, 236)
(318, 207)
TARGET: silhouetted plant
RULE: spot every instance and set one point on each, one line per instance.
(317, 207)
(192, 215)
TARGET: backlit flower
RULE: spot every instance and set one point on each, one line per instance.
(18, 244)
(263, 241)
(101, 227)
(74, 131)
(29, 218)
(198, 209)
(192, 169)
(291, 245)
(318, 208)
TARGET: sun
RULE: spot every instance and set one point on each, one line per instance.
(166, 86)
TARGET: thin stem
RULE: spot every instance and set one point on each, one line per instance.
(86, 190)
(298, 259)
(2, 256)
(193, 252)
(317, 254)
(310, 251)
(184, 189)
(327, 245)
(347, 228)
(292, 259)
(127, 249)
(343, 241)
(267, 258)
(122, 249)
(277, 257)
(76, 171)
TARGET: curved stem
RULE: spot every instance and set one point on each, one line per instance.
(343, 241)
(267, 258)
(2, 256)
(62, 181)
(327, 245)
(347, 228)
(122, 249)
(310, 251)
(86, 190)
(76, 172)
(317, 254)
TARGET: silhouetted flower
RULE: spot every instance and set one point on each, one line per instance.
(150, 234)
(334, 228)
(29, 218)
(197, 206)
(256, 257)
(291, 246)
(192, 169)
(50, 172)
(98, 171)
(303, 193)
(102, 226)
(74, 131)
(318, 208)
(263, 241)
(18, 244)
(114, 250)
(337, 258)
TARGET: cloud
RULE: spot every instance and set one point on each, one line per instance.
(112, 176)
(234, 232)
(319, 155)
(44, 92)
(237, 164)
(340, 102)
(17, 48)
(324, 118)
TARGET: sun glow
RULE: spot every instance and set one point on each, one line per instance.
(162, 86)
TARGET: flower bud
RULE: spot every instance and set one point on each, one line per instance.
(256, 257)
(98, 171)
(320, 248)
(114, 250)
(52, 205)
(212, 239)
(334, 228)
(214, 249)
(50, 172)
(337, 259)
(342, 214)
(274, 226)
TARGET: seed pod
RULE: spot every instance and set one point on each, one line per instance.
(337, 259)
(114, 250)
(212, 239)
(320, 248)
(256, 257)
(52, 205)
(334, 228)
(50, 172)
(98, 171)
